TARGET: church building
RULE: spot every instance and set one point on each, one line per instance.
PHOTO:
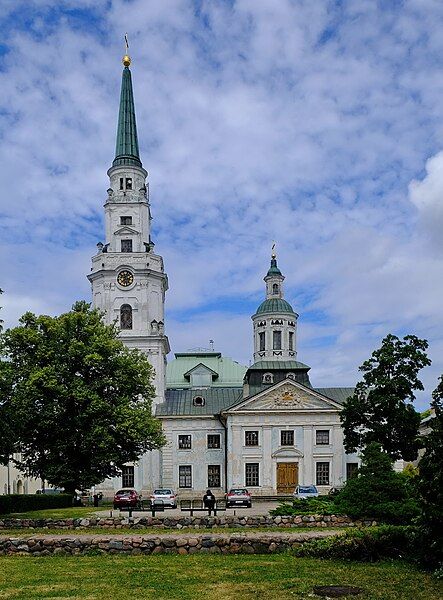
(264, 427)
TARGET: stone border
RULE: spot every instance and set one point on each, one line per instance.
(181, 522)
(251, 543)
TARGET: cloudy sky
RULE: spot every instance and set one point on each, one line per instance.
(315, 123)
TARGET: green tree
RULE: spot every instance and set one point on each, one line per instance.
(1, 320)
(378, 491)
(381, 410)
(81, 400)
(431, 484)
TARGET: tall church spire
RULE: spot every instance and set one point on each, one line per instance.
(126, 148)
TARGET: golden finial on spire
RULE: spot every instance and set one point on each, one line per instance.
(274, 253)
(126, 59)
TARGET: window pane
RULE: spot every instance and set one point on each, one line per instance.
(125, 316)
(128, 477)
(251, 438)
(277, 340)
(125, 220)
(351, 470)
(275, 288)
(287, 437)
(322, 437)
(322, 473)
(126, 245)
(128, 183)
(262, 340)
(185, 476)
(291, 340)
(214, 440)
(184, 442)
(214, 476)
(252, 474)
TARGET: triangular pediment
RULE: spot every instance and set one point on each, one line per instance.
(286, 396)
(126, 231)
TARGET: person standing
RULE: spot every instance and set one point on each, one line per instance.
(209, 502)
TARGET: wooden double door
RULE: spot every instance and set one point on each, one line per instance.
(287, 477)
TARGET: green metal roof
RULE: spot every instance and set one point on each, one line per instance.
(278, 365)
(180, 402)
(275, 305)
(230, 373)
(273, 269)
(338, 394)
(126, 148)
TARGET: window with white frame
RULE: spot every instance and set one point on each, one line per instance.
(322, 437)
(268, 378)
(184, 442)
(287, 437)
(251, 438)
(185, 476)
(322, 473)
(252, 474)
(276, 340)
(126, 245)
(214, 476)
(128, 477)
(213, 441)
(125, 220)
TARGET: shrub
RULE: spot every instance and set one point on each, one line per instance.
(367, 545)
(378, 492)
(308, 506)
(16, 503)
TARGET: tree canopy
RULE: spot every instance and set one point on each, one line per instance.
(78, 401)
(381, 410)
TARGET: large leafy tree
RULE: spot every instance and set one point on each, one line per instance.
(6, 436)
(381, 410)
(431, 483)
(80, 400)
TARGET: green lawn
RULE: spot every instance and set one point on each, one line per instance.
(76, 512)
(205, 577)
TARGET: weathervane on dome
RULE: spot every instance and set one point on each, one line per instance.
(274, 253)
(126, 59)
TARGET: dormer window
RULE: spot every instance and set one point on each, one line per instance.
(125, 220)
(198, 401)
(268, 378)
(291, 376)
(126, 246)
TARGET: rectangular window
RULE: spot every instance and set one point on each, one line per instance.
(184, 442)
(128, 183)
(291, 340)
(125, 220)
(287, 437)
(351, 470)
(276, 337)
(322, 473)
(121, 183)
(185, 476)
(251, 438)
(128, 477)
(261, 337)
(322, 437)
(213, 440)
(126, 245)
(252, 475)
(214, 476)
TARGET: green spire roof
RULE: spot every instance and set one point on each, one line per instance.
(126, 149)
(273, 269)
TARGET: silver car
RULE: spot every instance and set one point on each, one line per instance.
(164, 496)
(305, 491)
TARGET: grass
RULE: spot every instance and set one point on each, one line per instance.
(75, 512)
(158, 530)
(210, 577)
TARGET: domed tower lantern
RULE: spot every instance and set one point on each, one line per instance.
(275, 321)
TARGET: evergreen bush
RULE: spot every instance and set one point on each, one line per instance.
(17, 503)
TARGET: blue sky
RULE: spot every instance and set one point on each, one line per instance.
(317, 124)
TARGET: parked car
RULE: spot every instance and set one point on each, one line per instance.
(127, 498)
(237, 497)
(165, 495)
(305, 491)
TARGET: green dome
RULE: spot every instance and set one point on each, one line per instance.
(275, 305)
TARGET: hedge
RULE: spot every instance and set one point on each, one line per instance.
(17, 503)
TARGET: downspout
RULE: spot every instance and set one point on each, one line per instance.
(225, 427)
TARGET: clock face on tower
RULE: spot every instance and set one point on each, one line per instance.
(125, 278)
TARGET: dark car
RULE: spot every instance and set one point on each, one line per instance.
(127, 498)
(238, 497)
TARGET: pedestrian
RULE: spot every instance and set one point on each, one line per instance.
(209, 501)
